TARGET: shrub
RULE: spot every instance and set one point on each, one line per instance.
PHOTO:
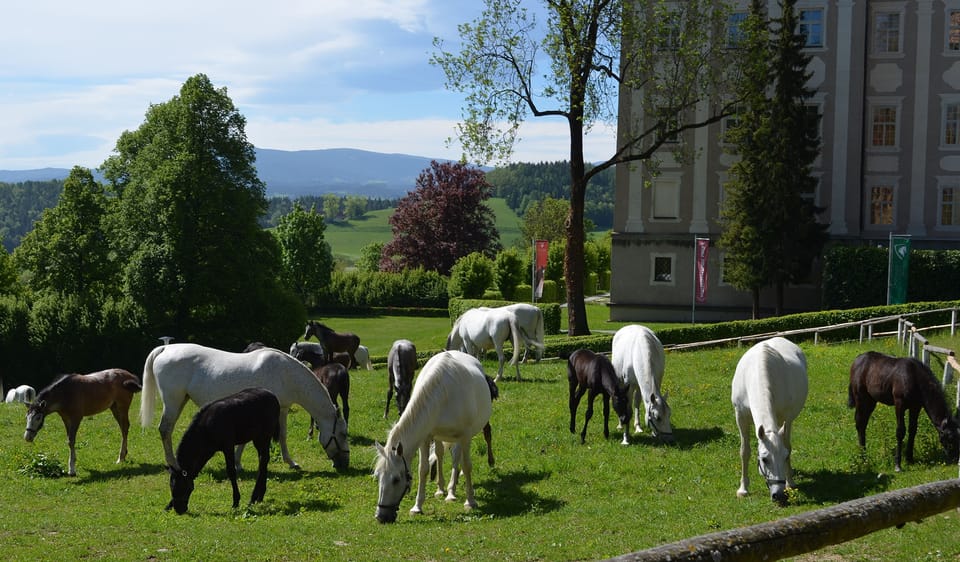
(509, 272)
(551, 312)
(360, 291)
(551, 291)
(471, 275)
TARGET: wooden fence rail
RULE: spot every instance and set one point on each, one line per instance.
(813, 530)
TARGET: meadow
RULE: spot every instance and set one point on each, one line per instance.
(547, 498)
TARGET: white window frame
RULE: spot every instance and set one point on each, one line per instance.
(653, 269)
(951, 26)
(878, 11)
(822, 45)
(943, 184)
(948, 101)
(671, 202)
(885, 103)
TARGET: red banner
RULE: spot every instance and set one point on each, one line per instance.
(700, 288)
(541, 248)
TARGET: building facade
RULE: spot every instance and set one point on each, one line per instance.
(887, 82)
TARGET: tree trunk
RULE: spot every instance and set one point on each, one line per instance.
(573, 263)
(813, 530)
(756, 303)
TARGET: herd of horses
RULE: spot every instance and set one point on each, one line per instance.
(245, 397)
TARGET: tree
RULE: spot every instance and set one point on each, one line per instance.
(545, 219)
(443, 219)
(771, 233)
(471, 276)
(589, 50)
(189, 198)
(331, 206)
(68, 250)
(355, 206)
(305, 255)
(9, 284)
(370, 257)
(509, 272)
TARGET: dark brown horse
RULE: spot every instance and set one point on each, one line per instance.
(333, 341)
(908, 385)
(76, 396)
(588, 372)
(252, 414)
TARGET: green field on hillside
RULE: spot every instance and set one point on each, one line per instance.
(348, 238)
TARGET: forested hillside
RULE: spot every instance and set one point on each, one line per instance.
(522, 184)
(21, 204)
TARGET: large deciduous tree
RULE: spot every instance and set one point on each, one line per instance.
(570, 65)
(442, 220)
(189, 198)
(306, 256)
(771, 233)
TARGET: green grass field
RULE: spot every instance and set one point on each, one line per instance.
(548, 497)
(347, 239)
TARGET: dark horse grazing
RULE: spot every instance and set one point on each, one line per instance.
(75, 396)
(593, 373)
(907, 385)
(401, 364)
(333, 341)
(309, 352)
(336, 378)
(249, 415)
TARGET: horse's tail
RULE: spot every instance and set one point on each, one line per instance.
(494, 389)
(515, 334)
(539, 335)
(148, 399)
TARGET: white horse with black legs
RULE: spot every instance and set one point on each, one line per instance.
(768, 392)
(451, 402)
(638, 360)
(186, 371)
(480, 329)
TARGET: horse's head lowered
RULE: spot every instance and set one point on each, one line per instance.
(394, 479)
(36, 414)
(949, 431)
(181, 486)
(772, 458)
(335, 443)
(658, 418)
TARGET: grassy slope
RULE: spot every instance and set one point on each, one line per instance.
(347, 239)
(548, 497)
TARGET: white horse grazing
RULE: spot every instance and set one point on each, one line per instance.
(23, 393)
(363, 357)
(451, 402)
(638, 360)
(529, 320)
(183, 371)
(769, 390)
(480, 329)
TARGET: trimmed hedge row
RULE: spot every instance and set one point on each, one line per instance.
(551, 311)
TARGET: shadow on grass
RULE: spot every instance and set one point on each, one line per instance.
(502, 494)
(123, 470)
(829, 486)
(685, 439)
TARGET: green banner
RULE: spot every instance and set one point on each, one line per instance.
(898, 269)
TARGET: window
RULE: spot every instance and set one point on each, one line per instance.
(953, 31)
(886, 32)
(951, 124)
(811, 27)
(881, 205)
(662, 269)
(666, 198)
(670, 39)
(735, 34)
(950, 206)
(667, 126)
(884, 126)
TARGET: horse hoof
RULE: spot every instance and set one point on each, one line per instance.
(468, 505)
(742, 493)
(416, 510)
(439, 494)
(451, 498)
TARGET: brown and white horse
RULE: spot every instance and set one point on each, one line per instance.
(75, 396)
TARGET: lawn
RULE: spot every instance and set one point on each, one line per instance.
(548, 497)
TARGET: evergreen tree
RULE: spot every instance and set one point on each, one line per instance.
(771, 233)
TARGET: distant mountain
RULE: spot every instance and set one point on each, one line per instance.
(307, 172)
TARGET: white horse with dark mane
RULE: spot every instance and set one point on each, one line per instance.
(23, 393)
(529, 321)
(639, 361)
(450, 403)
(768, 391)
(185, 371)
(480, 329)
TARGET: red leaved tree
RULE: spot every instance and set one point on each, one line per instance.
(442, 220)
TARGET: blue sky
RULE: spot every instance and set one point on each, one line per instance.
(307, 74)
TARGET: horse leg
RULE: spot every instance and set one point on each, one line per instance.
(864, 409)
(346, 405)
(232, 473)
(576, 393)
(901, 432)
(282, 430)
(589, 414)
(744, 422)
(455, 452)
(626, 427)
(121, 414)
(786, 443)
(606, 415)
(436, 464)
(488, 436)
(168, 418)
(912, 432)
(263, 452)
(466, 465)
(637, 398)
(423, 473)
(313, 424)
(499, 349)
(72, 428)
(389, 397)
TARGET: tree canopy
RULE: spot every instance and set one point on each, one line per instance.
(441, 220)
(571, 64)
(306, 256)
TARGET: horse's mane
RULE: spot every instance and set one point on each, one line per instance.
(54, 385)
(421, 400)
